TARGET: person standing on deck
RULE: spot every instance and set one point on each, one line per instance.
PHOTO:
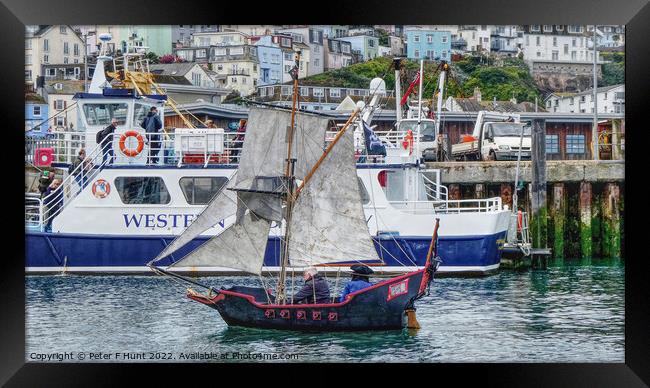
(44, 182)
(105, 138)
(315, 290)
(152, 125)
(81, 173)
(360, 280)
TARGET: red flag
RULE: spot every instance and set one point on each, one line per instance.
(410, 89)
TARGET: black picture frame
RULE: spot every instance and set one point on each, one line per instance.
(15, 14)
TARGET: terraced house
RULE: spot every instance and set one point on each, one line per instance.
(52, 44)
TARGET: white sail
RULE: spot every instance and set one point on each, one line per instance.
(241, 247)
(221, 206)
(328, 223)
(264, 155)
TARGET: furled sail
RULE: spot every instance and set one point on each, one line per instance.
(264, 157)
(328, 223)
(222, 205)
(241, 247)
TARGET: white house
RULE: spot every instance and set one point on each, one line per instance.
(54, 44)
(193, 72)
(610, 99)
(59, 94)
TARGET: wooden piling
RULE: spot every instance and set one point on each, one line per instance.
(611, 226)
(454, 191)
(506, 194)
(585, 220)
(559, 217)
(538, 219)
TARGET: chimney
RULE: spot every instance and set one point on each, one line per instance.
(477, 94)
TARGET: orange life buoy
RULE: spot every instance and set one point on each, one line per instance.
(129, 151)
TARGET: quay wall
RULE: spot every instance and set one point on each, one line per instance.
(584, 212)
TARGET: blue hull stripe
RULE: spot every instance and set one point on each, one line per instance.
(52, 249)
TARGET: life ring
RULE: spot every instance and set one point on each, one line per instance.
(128, 151)
(408, 141)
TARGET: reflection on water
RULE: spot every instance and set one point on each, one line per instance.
(572, 311)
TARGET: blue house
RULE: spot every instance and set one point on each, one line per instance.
(428, 44)
(36, 112)
(270, 57)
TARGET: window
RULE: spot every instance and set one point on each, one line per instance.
(575, 144)
(36, 110)
(430, 54)
(233, 80)
(199, 190)
(65, 60)
(59, 121)
(345, 49)
(555, 41)
(444, 54)
(552, 144)
(559, 27)
(140, 111)
(318, 92)
(66, 49)
(75, 49)
(28, 59)
(416, 38)
(288, 57)
(316, 62)
(534, 27)
(196, 79)
(243, 80)
(548, 28)
(537, 41)
(58, 86)
(149, 190)
(101, 114)
(554, 55)
(201, 53)
(28, 75)
(63, 30)
(304, 91)
(444, 39)
(285, 91)
(335, 92)
(371, 42)
(416, 53)
(429, 38)
(28, 44)
(58, 104)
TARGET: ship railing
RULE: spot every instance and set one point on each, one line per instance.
(175, 149)
(73, 184)
(33, 211)
(65, 145)
(433, 189)
(450, 206)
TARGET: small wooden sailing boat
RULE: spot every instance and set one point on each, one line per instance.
(287, 176)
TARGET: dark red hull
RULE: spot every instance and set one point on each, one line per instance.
(379, 307)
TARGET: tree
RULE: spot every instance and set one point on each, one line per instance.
(169, 58)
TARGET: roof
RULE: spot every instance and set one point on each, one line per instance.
(67, 87)
(34, 98)
(301, 45)
(601, 89)
(171, 79)
(178, 68)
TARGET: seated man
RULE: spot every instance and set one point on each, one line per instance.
(360, 280)
(315, 287)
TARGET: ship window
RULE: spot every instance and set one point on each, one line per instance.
(199, 190)
(141, 111)
(101, 114)
(148, 190)
(394, 185)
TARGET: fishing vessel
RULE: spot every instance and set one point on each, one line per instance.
(285, 176)
(134, 207)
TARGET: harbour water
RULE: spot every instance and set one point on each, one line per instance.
(573, 311)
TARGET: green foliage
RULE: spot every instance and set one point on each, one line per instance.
(614, 69)
(152, 57)
(511, 79)
(232, 98)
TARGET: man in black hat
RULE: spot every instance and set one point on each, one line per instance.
(360, 280)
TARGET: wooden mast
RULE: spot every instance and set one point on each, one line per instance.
(281, 296)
